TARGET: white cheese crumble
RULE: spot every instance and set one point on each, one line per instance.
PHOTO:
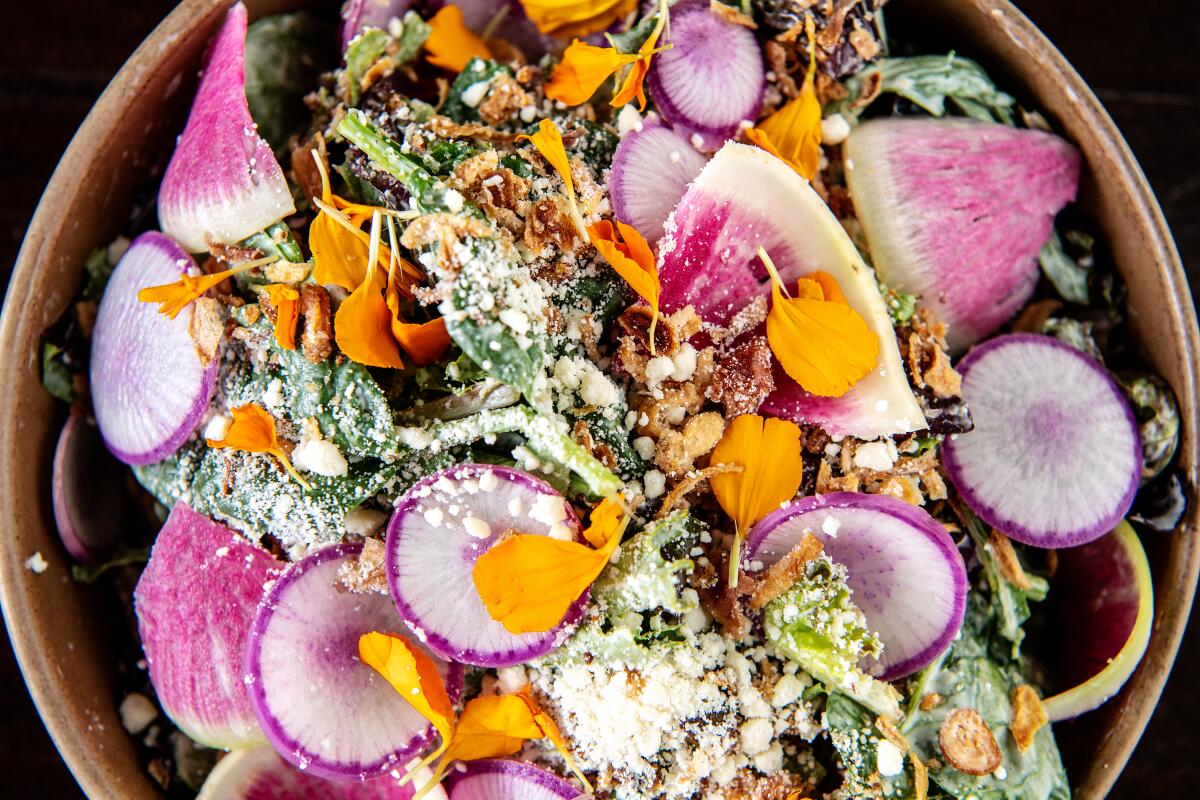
(834, 129)
(597, 390)
(217, 427)
(473, 95)
(137, 712)
(364, 521)
(875, 455)
(888, 758)
(273, 395)
(831, 525)
(321, 457)
(659, 369)
(684, 363)
(644, 446)
(655, 483)
(477, 527)
(37, 563)
(548, 509)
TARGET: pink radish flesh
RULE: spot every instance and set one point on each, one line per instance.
(260, 774)
(87, 490)
(194, 603)
(712, 78)
(908, 578)
(504, 779)
(440, 527)
(323, 709)
(1054, 458)
(223, 182)
(149, 386)
(650, 171)
(958, 210)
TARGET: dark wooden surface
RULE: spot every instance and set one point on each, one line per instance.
(1143, 59)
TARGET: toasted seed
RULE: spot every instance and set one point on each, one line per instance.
(1028, 715)
(967, 742)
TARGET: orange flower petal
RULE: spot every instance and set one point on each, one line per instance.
(576, 17)
(760, 139)
(451, 44)
(423, 342)
(414, 676)
(549, 729)
(175, 296)
(253, 431)
(630, 256)
(286, 302)
(583, 69)
(492, 727)
(548, 141)
(633, 85)
(794, 132)
(363, 324)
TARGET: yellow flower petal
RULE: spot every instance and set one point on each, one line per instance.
(423, 342)
(451, 44)
(548, 141)
(549, 729)
(583, 69)
(253, 431)
(630, 256)
(492, 727)
(286, 302)
(576, 17)
(175, 296)
(414, 676)
(633, 85)
(363, 324)
(794, 132)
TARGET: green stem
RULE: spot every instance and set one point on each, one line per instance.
(425, 191)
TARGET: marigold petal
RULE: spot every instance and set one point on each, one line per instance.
(492, 727)
(423, 342)
(363, 326)
(414, 676)
(576, 17)
(630, 256)
(286, 302)
(794, 132)
(175, 296)
(549, 142)
(253, 431)
(549, 729)
(451, 44)
(583, 69)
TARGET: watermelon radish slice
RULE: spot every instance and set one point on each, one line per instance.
(195, 602)
(1103, 607)
(650, 171)
(260, 774)
(505, 779)
(223, 180)
(957, 211)
(324, 710)
(87, 491)
(712, 79)
(149, 385)
(743, 198)
(908, 577)
(440, 528)
(1055, 458)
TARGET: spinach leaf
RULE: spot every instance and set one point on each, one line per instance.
(57, 377)
(362, 53)
(170, 480)
(476, 71)
(935, 83)
(1157, 413)
(413, 34)
(90, 573)
(854, 736)
(276, 240)
(284, 56)
(98, 268)
(1069, 277)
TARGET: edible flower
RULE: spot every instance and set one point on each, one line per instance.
(576, 17)
(451, 44)
(633, 260)
(286, 302)
(548, 141)
(175, 296)
(793, 133)
(768, 452)
(253, 431)
(528, 582)
(820, 341)
(633, 86)
(363, 324)
(423, 341)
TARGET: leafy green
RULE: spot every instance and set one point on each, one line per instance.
(937, 84)
(98, 268)
(477, 70)
(362, 53)
(276, 240)
(170, 480)
(601, 295)
(412, 38)
(1075, 332)
(900, 306)
(1069, 277)
(446, 154)
(284, 55)
(596, 147)
(856, 739)
(90, 573)
(1157, 413)
(57, 378)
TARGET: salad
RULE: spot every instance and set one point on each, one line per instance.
(594, 398)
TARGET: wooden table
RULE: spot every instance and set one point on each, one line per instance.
(1143, 59)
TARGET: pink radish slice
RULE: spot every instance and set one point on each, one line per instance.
(324, 710)
(712, 79)
(87, 490)
(743, 198)
(1054, 459)
(439, 529)
(223, 181)
(958, 210)
(908, 578)
(194, 603)
(505, 779)
(358, 15)
(650, 171)
(260, 774)
(1103, 603)
(149, 386)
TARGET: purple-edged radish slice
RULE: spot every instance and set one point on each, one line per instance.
(150, 387)
(1054, 459)
(743, 198)
(712, 79)
(358, 15)
(195, 603)
(507, 779)
(1103, 603)
(87, 490)
(440, 527)
(908, 577)
(958, 210)
(223, 182)
(323, 709)
(650, 171)
(260, 774)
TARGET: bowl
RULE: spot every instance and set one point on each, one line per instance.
(58, 628)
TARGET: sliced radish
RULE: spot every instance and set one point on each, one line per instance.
(958, 210)
(260, 774)
(908, 577)
(506, 779)
(743, 198)
(149, 385)
(1103, 607)
(357, 15)
(195, 602)
(223, 181)
(712, 78)
(323, 709)
(439, 529)
(87, 490)
(650, 171)
(1054, 459)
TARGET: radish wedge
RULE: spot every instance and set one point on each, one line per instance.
(324, 710)
(195, 602)
(743, 198)
(223, 181)
(1104, 606)
(150, 387)
(260, 774)
(87, 490)
(958, 210)
(1054, 459)
(358, 15)
(908, 577)
(505, 779)
(650, 171)
(440, 527)
(712, 78)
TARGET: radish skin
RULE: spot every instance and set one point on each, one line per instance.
(509, 779)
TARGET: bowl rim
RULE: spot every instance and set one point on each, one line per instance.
(31, 646)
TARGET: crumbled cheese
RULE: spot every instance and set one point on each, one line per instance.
(655, 483)
(37, 563)
(888, 758)
(831, 525)
(321, 457)
(473, 95)
(454, 201)
(875, 455)
(788, 689)
(756, 735)
(658, 369)
(395, 27)
(628, 120)
(477, 527)
(515, 319)
(217, 427)
(511, 680)
(434, 516)
(528, 114)
(488, 481)
(644, 446)
(597, 389)
(834, 129)
(364, 521)
(548, 509)
(137, 712)
(273, 395)
(684, 362)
